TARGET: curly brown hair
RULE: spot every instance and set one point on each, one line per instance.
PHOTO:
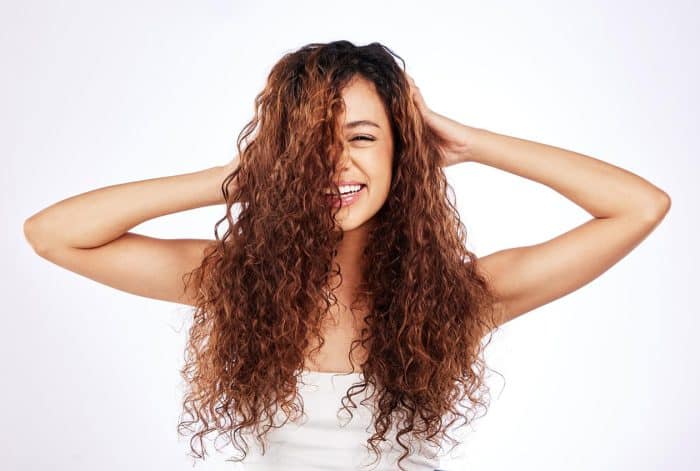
(263, 289)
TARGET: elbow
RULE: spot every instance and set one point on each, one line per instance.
(30, 235)
(28, 229)
(658, 207)
(663, 204)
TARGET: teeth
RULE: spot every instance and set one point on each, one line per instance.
(346, 189)
(349, 188)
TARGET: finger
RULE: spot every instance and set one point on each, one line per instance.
(415, 93)
(410, 79)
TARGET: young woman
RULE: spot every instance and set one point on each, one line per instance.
(346, 258)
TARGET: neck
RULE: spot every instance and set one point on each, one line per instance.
(349, 258)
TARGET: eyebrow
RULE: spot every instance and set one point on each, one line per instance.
(363, 122)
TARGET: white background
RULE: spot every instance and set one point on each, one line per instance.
(99, 93)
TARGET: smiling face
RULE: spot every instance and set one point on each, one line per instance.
(368, 155)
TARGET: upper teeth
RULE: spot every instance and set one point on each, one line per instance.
(346, 188)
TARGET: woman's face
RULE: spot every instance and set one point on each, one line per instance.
(369, 151)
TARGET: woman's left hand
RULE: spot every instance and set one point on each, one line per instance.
(458, 137)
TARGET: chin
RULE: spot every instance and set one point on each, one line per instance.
(352, 223)
(347, 226)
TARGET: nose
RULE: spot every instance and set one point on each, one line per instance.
(344, 161)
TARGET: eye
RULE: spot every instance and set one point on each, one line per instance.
(366, 138)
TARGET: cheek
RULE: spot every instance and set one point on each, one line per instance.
(380, 182)
(380, 178)
(381, 165)
(377, 166)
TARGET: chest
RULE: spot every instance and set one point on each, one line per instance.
(338, 331)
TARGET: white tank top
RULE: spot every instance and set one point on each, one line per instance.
(330, 440)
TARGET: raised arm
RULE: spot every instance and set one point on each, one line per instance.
(88, 233)
(625, 208)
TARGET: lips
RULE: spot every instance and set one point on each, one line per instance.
(347, 199)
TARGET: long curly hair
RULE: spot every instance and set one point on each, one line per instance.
(263, 288)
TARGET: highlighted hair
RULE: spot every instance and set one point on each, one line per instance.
(264, 288)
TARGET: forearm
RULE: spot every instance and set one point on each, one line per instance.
(99, 216)
(602, 189)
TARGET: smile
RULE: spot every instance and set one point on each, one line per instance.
(348, 199)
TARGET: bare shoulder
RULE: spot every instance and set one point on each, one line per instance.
(493, 267)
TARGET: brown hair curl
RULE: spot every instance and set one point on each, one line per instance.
(263, 289)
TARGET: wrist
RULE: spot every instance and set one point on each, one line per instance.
(471, 137)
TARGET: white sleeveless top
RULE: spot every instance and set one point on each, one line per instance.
(330, 440)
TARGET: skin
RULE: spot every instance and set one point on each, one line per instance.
(367, 161)
(625, 207)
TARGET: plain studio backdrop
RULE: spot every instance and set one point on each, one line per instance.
(100, 93)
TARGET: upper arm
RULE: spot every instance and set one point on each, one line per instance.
(137, 264)
(525, 278)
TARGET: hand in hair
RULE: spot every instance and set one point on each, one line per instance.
(456, 136)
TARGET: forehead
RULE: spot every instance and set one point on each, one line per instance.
(362, 102)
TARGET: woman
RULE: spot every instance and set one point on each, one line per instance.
(346, 257)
